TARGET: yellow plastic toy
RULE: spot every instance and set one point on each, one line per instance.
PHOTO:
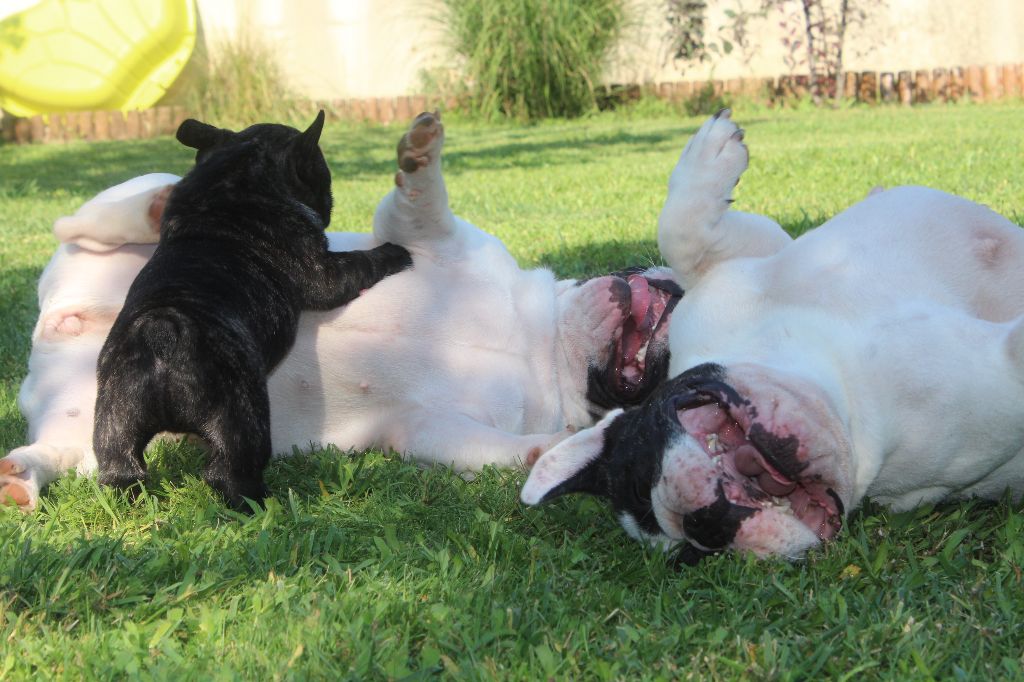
(92, 55)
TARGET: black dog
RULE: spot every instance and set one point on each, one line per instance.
(242, 251)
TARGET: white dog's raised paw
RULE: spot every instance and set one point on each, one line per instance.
(600, 307)
(420, 146)
(128, 213)
(714, 158)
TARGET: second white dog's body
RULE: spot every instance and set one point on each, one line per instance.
(879, 355)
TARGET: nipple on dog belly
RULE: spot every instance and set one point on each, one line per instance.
(72, 325)
(69, 324)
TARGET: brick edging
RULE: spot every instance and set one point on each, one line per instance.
(94, 125)
(983, 83)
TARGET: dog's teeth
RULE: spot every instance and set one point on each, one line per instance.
(641, 354)
(711, 440)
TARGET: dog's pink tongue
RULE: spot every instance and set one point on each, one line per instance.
(641, 299)
(630, 347)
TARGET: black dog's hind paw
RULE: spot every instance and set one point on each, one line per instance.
(237, 493)
(131, 484)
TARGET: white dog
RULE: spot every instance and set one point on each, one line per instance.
(465, 359)
(880, 355)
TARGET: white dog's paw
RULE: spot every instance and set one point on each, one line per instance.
(18, 482)
(128, 213)
(551, 441)
(597, 313)
(713, 159)
(696, 228)
(421, 146)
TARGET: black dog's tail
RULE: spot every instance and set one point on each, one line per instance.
(165, 331)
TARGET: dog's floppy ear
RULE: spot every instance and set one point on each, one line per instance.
(576, 465)
(199, 135)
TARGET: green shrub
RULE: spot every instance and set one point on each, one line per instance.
(240, 82)
(706, 101)
(532, 59)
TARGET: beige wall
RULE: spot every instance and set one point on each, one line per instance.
(335, 48)
(900, 34)
(377, 48)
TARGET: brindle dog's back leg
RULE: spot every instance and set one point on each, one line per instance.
(237, 430)
(120, 433)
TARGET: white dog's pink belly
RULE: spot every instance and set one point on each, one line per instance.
(60, 391)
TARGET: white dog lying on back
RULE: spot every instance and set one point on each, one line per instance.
(880, 355)
(465, 359)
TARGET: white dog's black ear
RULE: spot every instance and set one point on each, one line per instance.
(199, 135)
(573, 466)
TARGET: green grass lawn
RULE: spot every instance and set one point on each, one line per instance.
(363, 566)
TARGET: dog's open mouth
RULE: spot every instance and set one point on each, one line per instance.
(650, 307)
(757, 469)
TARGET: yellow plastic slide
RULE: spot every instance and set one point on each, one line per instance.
(91, 55)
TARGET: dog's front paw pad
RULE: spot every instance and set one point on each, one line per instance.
(422, 144)
(15, 494)
(15, 487)
(11, 467)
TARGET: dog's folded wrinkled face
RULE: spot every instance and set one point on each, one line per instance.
(636, 359)
(292, 157)
(714, 458)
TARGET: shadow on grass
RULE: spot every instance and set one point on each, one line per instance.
(18, 310)
(361, 153)
(330, 513)
(369, 153)
(600, 258)
(86, 168)
(597, 258)
(575, 149)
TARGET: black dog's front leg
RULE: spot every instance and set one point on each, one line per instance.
(349, 272)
